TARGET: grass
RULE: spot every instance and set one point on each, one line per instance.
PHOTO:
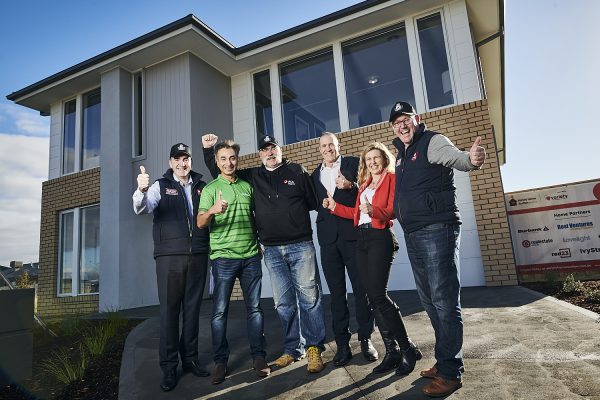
(65, 366)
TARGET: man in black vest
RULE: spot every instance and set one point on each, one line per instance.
(425, 205)
(337, 240)
(181, 254)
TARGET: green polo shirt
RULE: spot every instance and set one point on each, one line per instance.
(232, 233)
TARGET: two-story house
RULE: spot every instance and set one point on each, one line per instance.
(339, 73)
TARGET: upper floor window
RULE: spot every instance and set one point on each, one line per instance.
(377, 74)
(262, 103)
(79, 251)
(309, 97)
(435, 61)
(81, 132)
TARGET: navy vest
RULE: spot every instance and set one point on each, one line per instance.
(175, 231)
(425, 193)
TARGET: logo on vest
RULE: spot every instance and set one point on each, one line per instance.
(414, 157)
(289, 182)
(398, 161)
(171, 192)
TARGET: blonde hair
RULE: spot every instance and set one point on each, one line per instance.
(388, 159)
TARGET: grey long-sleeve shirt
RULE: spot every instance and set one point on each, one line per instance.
(442, 151)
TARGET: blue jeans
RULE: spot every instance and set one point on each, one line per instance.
(249, 272)
(433, 254)
(296, 286)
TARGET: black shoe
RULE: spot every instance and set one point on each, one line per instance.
(368, 351)
(342, 356)
(410, 357)
(390, 361)
(195, 368)
(169, 380)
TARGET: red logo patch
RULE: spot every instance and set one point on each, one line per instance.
(171, 192)
(414, 157)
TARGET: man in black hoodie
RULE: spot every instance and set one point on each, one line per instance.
(283, 196)
(181, 254)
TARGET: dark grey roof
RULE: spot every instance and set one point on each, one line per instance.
(192, 20)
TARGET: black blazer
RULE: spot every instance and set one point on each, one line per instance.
(330, 226)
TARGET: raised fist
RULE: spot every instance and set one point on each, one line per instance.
(209, 140)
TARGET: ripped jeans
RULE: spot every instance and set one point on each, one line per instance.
(297, 295)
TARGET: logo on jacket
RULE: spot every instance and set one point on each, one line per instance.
(414, 157)
(289, 182)
(171, 192)
(398, 161)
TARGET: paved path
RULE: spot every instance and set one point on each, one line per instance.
(518, 345)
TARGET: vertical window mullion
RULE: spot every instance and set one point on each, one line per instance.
(338, 64)
(276, 102)
(78, 132)
(415, 66)
(138, 121)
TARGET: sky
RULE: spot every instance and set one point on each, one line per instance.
(551, 71)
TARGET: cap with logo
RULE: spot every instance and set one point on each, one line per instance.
(401, 108)
(180, 148)
(266, 140)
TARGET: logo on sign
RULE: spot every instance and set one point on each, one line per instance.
(562, 253)
(533, 230)
(530, 243)
(583, 238)
(590, 250)
(576, 225)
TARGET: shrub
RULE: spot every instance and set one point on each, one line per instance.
(593, 296)
(65, 366)
(96, 339)
(570, 285)
(24, 281)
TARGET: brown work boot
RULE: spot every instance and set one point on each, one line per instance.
(315, 361)
(429, 373)
(441, 387)
(285, 359)
(261, 367)
(218, 374)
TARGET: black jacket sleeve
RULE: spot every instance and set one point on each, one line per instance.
(209, 161)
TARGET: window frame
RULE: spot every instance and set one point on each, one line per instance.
(76, 255)
(78, 151)
(138, 106)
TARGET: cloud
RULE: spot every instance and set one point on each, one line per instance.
(23, 168)
(23, 121)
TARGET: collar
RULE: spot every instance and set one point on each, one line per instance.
(189, 182)
(337, 163)
(220, 177)
(368, 182)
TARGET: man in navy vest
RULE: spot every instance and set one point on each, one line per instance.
(425, 205)
(181, 254)
(337, 240)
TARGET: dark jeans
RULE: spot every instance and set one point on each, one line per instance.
(433, 254)
(180, 282)
(375, 251)
(249, 272)
(336, 259)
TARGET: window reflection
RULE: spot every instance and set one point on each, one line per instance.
(65, 274)
(309, 97)
(89, 264)
(377, 73)
(435, 61)
(69, 137)
(91, 129)
(262, 104)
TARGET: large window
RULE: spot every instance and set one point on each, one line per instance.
(309, 97)
(435, 61)
(81, 132)
(79, 255)
(262, 104)
(377, 74)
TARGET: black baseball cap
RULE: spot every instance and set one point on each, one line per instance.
(180, 148)
(401, 108)
(266, 140)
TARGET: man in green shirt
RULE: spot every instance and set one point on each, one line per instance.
(226, 206)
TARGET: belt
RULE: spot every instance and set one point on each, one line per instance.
(365, 226)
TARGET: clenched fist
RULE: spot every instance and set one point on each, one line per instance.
(143, 180)
(329, 202)
(209, 140)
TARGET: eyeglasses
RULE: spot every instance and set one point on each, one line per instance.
(404, 122)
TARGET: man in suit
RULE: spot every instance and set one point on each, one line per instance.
(337, 237)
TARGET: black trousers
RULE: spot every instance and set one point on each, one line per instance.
(336, 259)
(181, 280)
(375, 250)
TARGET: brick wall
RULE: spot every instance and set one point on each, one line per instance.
(64, 193)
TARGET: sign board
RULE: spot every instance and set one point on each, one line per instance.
(556, 228)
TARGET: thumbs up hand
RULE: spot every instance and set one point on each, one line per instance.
(143, 180)
(365, 207)
(220, 205)
(329, 202)
(477, 153)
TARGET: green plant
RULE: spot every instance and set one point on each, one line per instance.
(96, 339)
(593, 296)
(65, 366)
(571, 285)
(24, 281)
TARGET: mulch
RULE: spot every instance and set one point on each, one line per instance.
(578, 299)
